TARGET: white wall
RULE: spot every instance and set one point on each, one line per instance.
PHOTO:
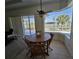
(69, 44)
(59, 37)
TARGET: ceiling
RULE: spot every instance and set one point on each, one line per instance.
(11, 4)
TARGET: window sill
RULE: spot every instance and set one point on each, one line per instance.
(61, 32)
(66, 34)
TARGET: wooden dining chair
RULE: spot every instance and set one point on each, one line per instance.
(47, 45)
(50, 40)
(35, 49)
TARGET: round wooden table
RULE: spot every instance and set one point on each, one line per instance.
(43, 38)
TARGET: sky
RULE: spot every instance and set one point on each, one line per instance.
(52, 15)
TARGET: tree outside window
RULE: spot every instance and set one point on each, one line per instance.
(63, 22)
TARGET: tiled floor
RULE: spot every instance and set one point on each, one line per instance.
(17, 50)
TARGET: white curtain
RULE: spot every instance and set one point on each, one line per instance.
(16, 24)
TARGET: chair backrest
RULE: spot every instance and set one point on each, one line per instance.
(50, 40)
(36, 48)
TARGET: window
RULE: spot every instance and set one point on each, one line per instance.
(28, 25)
(58, 21)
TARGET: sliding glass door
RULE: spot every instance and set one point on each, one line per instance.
(28, 25)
